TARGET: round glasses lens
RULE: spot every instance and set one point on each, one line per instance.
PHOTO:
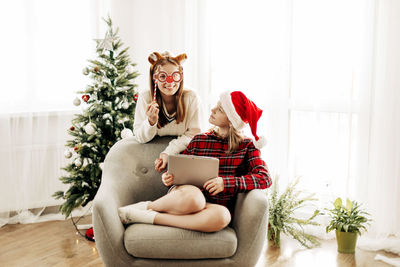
(162, 77)
(176, 76)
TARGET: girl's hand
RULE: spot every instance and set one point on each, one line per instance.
(161, 162)
(214, 185)
(167, 179)
(152, 112)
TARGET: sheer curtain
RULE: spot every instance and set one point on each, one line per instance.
(45, 47)
(325, 73)
(379, 180)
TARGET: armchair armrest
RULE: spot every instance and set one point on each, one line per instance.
(108, 229)
(250, 223)
(128, 176)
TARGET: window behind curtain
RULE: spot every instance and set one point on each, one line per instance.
(300, 62)
(45, 45)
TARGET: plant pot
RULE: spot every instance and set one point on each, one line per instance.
(346, 242)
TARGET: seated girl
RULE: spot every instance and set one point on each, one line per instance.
(241, 169)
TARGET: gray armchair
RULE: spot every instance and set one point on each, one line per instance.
(129, 177)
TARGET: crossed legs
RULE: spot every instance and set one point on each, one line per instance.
(185, 207)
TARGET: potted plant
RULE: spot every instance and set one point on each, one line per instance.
(281, 215)
(348, 221)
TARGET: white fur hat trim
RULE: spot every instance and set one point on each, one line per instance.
(230, 111)
(261, 142)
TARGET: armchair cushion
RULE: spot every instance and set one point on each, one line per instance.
(163, 242)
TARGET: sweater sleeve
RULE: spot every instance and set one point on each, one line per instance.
(192, 122)
(143, 131)
(258, 176)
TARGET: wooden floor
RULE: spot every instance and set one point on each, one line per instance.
(56, 243)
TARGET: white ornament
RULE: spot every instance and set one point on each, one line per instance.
(129, 69)
(85, 71)
(125, 105)
(77, 101)
(78, 163)
(90, 128)
(67, 154)
(126, 133)
(107, 116)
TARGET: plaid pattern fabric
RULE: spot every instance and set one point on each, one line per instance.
(242, 170)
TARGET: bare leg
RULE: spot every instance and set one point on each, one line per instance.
(184, 199)
(210, 219)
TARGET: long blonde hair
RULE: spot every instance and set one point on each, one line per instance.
(234, 137)
(179, 103)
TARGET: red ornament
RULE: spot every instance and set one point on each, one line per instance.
(96, 69)
(135, 97)
(85, 98)
(72, 128)
(90, 234)
(75, 148)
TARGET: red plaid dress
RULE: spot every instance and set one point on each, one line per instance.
(242, 170)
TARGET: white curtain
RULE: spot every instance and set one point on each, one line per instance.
(379, 182)
(326, 75)
(45, 46)
(324, 72)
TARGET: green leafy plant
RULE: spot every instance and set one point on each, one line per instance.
(281, 218)
(349, 218)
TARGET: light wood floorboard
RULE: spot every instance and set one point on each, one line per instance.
(56, 243)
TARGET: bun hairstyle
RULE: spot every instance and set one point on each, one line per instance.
(156, 61)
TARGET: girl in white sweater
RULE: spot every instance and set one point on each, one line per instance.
(167, 108)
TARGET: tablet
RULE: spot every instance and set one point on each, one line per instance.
(194, 170)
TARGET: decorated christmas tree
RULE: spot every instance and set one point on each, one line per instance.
(107, 116)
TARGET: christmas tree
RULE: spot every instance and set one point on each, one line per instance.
(107, 116)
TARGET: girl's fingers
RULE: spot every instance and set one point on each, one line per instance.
(168, 177)
(211, 187)
(207, 183)
(216, 192)
(154, 111)
(157, 165)
(163, 164)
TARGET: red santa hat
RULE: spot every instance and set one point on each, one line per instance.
(241, 110)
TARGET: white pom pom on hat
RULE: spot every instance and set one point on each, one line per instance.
(241, 110)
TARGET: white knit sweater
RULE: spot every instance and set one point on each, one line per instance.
(185, 130)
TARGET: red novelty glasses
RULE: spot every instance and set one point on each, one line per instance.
(162, 76)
